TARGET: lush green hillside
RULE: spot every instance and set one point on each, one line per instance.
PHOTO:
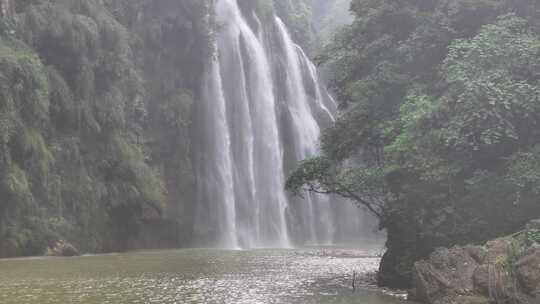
(95, 103)
(439, 134)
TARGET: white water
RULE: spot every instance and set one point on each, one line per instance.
(253, 123)
(220, 169)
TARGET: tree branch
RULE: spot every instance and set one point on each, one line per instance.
(346, 193)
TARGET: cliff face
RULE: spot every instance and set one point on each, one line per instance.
(95, 108)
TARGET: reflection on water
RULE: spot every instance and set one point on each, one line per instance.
(192, 276)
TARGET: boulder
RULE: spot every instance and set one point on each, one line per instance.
(497, 250)
(495, 281)
(478, 253)
(481, 279)
(474, 274)
(63, 249)
(491, 277)
(528, 271)
(447, 273)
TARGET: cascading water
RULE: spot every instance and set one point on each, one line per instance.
(306, 133)
(250, 122)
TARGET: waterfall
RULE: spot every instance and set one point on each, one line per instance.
(249, 123)
(215, 178)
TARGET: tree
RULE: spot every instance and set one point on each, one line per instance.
(439, 124)
(362, 185)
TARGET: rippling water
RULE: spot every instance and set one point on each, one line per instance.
(192, 276)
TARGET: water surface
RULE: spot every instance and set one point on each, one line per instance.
(193, 276)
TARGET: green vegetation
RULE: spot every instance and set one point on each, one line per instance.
(533, 236)
(83, 105)
(439, 133)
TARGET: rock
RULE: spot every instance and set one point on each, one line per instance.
(496, 281)
(394, 271)
(473, 274)
(528, 271)
(497, 250)
(463, 300)
(478, 253)
(481, 279)
(62, 248)
(493, 278)
(447, 273)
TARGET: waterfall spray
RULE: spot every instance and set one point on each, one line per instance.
(241, 197)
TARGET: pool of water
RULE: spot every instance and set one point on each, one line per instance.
(194, 276)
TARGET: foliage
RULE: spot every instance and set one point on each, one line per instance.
(441, 98)
(131, 166)
(175, 108)
(81, 111)
(524, 170)
(493, 89)
(533, 236)
(362, 185)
